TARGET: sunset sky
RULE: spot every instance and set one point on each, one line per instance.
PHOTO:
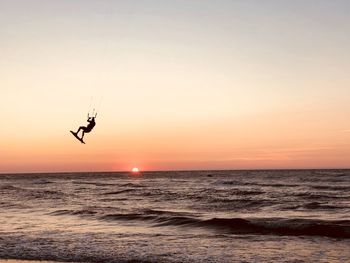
(180, 84)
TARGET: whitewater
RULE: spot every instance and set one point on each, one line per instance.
(177, 216)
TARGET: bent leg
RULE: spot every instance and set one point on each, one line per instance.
(83, 129)
(82, 135)
(86, 130)
(80, 128)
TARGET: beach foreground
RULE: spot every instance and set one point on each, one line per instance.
(23, 261)
(204, 216)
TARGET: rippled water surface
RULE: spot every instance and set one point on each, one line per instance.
(202, 216)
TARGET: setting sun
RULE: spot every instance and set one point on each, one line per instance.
(135, 170)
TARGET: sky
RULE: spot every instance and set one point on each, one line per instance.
(178, 85)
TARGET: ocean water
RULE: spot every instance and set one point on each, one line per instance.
(193, 216)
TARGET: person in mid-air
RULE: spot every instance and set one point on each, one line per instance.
(88, 128)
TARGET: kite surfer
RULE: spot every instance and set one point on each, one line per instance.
(87, 129)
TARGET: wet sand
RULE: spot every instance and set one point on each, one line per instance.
(24, 261)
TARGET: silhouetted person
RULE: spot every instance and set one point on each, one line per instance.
(88, 128)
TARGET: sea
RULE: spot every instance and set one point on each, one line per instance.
(177, 216)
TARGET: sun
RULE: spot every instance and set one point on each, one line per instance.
(135, 170)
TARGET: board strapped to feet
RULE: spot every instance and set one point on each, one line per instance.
(76, 136)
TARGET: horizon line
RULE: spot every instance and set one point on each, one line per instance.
(175, 170)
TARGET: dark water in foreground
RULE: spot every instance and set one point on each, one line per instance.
(208, 216)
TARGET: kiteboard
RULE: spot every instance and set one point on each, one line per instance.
(76, 136)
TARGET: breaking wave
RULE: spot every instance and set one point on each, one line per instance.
(266, 226)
